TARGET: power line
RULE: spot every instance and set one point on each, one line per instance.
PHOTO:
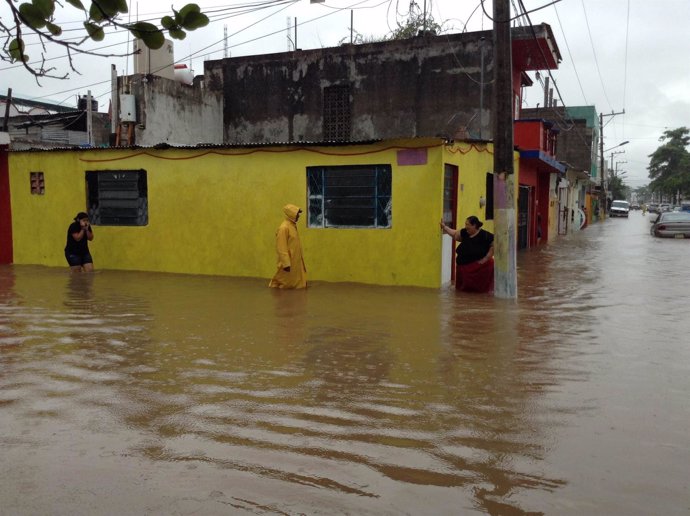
(568, 122)
(594, 52)
(625, 71)
(577, 76)
(279, 2)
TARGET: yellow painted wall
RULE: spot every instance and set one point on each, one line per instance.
(473, 161)
(588, 207)
(216, 211)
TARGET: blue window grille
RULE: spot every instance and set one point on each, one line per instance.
(353, 196)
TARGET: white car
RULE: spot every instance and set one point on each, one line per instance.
(619, 209)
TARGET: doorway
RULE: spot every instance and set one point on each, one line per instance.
(450, 218)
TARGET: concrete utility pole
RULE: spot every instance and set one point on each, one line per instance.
(6, 118)
(505, 251)
(89, 119)
(603, 204)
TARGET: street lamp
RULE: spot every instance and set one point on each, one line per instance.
(616, 146)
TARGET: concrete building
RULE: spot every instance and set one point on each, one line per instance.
(372, 209)
(578, 144)
(42, 125)
(155, 110)
(427, 86)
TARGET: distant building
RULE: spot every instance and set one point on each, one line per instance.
(578, 149)
(42, 125)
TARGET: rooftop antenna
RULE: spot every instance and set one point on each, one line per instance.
(225, 41)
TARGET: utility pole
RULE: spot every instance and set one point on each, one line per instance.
(89, 119)
(6, 118)
(603, 204)
(505, 251)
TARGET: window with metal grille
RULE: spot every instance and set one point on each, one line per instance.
(117, 197)
(38, 185)
(450, 194)
(354, 196)
(337, 113)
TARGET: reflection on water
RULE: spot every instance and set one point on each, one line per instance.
(130, 392)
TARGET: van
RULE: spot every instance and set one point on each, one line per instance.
(619, 209)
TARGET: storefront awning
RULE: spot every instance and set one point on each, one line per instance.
(543, 160)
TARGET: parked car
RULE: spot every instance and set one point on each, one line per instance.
(619, 209)
(653, 207)
(672, 224)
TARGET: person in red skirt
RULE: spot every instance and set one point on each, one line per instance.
(475, 256)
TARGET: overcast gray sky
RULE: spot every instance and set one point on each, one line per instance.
(618, 55)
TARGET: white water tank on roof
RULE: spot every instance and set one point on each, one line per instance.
(154, 62)
(128, 108)
(184, 74)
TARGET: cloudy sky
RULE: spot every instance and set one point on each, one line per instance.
(618, 55)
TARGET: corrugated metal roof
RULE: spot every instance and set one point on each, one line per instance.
(165, 146)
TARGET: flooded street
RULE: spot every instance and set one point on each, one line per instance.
(143, 393)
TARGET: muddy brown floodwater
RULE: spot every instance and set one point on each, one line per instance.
(142, 393)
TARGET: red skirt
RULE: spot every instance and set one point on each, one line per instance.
(475, 276)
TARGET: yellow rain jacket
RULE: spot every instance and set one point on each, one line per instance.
(289, 252)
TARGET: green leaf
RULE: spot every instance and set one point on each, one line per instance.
(177, 33)
(45, 7)
(122, 6)
(167, 22)
(189, 8)
(95, 31)
(55, 30)
(104, 9)
(95, 13)
(76, 3)
(16, 49)
(32, 16)
(151, 35)
(195, 20)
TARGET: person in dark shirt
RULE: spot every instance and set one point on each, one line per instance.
(475, 256)
(77, 247)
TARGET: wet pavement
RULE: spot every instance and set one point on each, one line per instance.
(143, 393)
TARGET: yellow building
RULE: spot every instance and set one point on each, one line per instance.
(371, 210)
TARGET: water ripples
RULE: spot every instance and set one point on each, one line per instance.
(343, 399)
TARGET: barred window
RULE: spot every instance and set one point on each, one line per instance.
(354, 196)
(117, 197)
(38, 184)
(337, 113)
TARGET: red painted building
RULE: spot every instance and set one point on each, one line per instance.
(536, 141)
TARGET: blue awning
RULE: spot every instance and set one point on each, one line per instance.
(543, 158)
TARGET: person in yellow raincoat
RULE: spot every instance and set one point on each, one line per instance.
(291, 271)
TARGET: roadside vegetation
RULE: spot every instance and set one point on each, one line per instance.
(669, 166)
(43, 19)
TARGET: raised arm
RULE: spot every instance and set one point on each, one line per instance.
(455, 233)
